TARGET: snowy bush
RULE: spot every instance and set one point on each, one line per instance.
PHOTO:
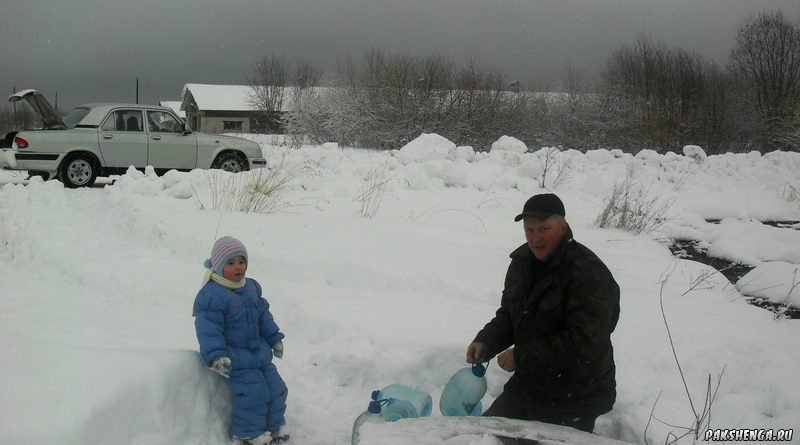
(790, 193)
(633, 208)
(259, 191)
(701, 414)
(555, 163)
(373, 185)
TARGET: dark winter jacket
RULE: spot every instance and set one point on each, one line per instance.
(559, 315)
(235, 323)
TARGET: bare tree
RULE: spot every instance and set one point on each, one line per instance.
(19, 118)
(268, 90)
(306, 75)
(767, 59)
(303, 115)
(573, 87)
(386, 100)
(668, 96)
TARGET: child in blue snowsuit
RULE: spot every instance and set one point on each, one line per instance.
(238, 338)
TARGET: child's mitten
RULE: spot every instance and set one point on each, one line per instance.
(277, 349)
(222, 366)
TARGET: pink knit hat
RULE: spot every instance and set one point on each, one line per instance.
(224, 249)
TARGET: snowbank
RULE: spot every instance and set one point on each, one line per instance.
(776, 281)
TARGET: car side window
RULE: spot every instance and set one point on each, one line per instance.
(123, 120)
(161, 122)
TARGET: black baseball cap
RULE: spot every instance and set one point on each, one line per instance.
(542, 206)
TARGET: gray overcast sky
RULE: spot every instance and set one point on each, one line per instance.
(93, 50)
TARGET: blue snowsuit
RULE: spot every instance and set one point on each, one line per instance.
(237, 323)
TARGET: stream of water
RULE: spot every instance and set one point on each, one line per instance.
(691, 250)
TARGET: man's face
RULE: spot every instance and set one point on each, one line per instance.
(544, 235)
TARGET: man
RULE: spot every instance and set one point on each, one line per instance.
(559, 307)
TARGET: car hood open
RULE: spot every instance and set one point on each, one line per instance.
(50, 119)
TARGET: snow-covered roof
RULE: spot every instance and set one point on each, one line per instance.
(235, 97)
(175, 105)
(220, 97)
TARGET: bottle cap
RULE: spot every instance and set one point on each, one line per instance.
(375, 404)
(478, 370)
(374, 407)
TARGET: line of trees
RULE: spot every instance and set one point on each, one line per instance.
(389, 99)
(21, 117)
(649, 96)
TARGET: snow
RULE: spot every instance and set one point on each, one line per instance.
(98, 340)
(475, 431)
(695, 152)
(746, 241)
(220, 97)
(508, 143)
(426, 147)
(777, 281)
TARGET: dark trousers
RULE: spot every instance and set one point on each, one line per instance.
(515, 406)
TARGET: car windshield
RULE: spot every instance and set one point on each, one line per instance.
(76, 115)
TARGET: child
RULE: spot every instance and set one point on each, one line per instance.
(238, 338)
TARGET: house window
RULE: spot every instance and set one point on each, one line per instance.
(232, 125)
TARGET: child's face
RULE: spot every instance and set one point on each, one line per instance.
(235, 268)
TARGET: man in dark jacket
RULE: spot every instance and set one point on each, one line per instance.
(559, 307)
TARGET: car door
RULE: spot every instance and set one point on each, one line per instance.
(169, 146)
(123, 141)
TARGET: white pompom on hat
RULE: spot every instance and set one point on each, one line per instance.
(224, 249)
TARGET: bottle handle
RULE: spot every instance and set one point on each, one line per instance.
(375, 404)
(478, 369)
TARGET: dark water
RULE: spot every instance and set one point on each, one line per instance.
(732, 271)
(690, 250)
(778, 224)
(783, 224)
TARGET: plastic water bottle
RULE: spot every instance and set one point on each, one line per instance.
(463, 393)
(397, 409)
(405, 402)
(371, 415)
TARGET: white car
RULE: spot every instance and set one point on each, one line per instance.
(102, 139)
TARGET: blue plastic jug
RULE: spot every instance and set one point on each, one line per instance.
(417, 403)
(371, 415)
(397, 409)
(463, 393)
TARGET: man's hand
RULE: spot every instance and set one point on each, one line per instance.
(506, 360)
(476, 352)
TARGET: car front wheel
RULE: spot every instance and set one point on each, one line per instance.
(77, 171)
(230, 162)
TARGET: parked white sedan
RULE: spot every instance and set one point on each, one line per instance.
(102, 139)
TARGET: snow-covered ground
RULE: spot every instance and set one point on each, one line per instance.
(97, 337)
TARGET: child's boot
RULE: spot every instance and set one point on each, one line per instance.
(263, 439)
(281, 436)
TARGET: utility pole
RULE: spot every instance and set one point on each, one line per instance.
(15, 110)
(56, 101)
(137, 90)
